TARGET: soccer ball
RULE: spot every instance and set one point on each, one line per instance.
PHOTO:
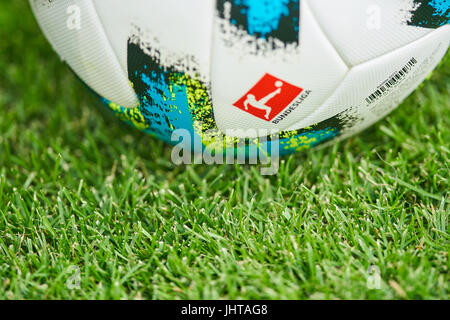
(249, 74)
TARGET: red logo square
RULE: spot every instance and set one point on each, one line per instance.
(268, 97)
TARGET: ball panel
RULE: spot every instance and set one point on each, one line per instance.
(246, 66)
(167, 55)
(75, 32)
(172, 29)
(374, 28)
(373, 89)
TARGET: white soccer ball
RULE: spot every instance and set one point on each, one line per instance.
(291, 73)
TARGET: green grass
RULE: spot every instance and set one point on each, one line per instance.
(78, 188)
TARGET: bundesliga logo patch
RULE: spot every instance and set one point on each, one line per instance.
(268, 97)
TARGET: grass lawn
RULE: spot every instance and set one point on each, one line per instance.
(85, 197)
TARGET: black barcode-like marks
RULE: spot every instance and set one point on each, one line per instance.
(391, 82)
